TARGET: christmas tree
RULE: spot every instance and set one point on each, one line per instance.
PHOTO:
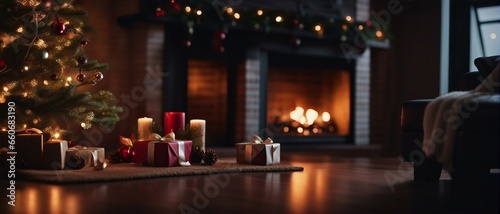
(43, 67)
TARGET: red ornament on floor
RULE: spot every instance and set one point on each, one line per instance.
(127, 154)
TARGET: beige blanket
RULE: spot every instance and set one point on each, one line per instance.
(442, 120)
(443, 116)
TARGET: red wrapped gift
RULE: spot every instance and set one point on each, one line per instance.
(161, 153)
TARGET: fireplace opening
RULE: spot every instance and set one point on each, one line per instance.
(307, 102)
(308, 99)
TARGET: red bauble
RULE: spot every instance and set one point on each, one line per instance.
(54, 76)
(59, 28)
(295, 41)
(82, 59)
(127, 154)
(3, 65)
(369, 23)
(221, 35)
(160, 12)
(98, 76)
(81, 77)
(84, 42)
(222, 49)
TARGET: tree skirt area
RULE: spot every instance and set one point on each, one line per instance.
(129, 171)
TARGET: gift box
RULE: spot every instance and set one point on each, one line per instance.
(258, 153)
(38, 153)
(163, 153)
(91, 155)
(54, 154)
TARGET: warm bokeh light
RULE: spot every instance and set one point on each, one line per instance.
(325, 116)
(311, 116)
(237, 16)
(198, 12)
(187, 9)
(493, 35)
(379, 34)
(229, 10)
(317, 27)
(279, 19)
(297, 113)
(300, 130)
(260, 12)
(360, 27)
(348, 18)
(302, 120)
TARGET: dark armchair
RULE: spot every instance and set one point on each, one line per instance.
(476, 151)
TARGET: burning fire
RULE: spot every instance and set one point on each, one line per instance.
(307, 121)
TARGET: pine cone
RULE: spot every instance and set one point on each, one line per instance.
(197, 155)
(210, 157)
(114, 157)
(76, 162)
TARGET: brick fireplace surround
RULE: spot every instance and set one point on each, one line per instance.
(162, 49)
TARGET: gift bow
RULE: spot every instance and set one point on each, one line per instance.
(129, 142)
(257, 139)
(169, 137)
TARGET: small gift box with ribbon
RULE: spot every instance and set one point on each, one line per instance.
(91, 156)
(258, 152)
(163, 152)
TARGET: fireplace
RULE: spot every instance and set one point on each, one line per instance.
(308, 101)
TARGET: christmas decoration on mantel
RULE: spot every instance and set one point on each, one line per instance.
(43, 66)
(220, 17)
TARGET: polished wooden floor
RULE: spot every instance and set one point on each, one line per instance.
(328, 184)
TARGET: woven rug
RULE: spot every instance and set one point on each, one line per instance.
(118, 172)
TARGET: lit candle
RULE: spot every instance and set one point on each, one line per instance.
(144, 127)
(174, 121)
(200, 125)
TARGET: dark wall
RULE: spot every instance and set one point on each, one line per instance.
(409, 69)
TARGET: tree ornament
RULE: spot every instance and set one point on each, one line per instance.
(45, 55)
(220, 35)
(81, 77)
(84, 42)
(59, 27)
(222, 49)
(187, 43)
(369, 23)
(98, 76)
(127, 154)
(82, 60)
(3, 65)
(197, 155)
(160, 12)
(76, 162)
(54, 76)
(210, 157)
(295, 41)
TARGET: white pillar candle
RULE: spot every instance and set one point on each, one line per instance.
(201, 126)
(144, 127)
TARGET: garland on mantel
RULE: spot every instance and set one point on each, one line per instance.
(221, 16)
